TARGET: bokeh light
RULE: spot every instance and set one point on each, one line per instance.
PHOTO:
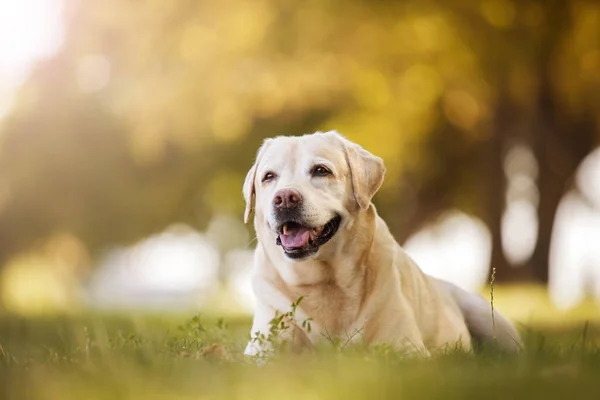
(129, 128)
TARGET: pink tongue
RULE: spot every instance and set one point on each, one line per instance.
(297, 237)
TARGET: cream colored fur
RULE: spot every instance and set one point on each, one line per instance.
(361, 284)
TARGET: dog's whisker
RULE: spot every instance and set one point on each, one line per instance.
(255, 239)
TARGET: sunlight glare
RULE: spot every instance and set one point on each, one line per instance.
(29, 30)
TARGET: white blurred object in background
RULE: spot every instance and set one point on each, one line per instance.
(239, 264)
(176, 268)
(575, 248)
(520, 221)
(456, 248)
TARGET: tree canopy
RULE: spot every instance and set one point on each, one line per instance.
(151, 112)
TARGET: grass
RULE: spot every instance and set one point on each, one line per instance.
(153, 357)
(99, 356)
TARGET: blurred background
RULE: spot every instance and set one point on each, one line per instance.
(126, 130)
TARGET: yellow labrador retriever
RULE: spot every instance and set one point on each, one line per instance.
(319, 236)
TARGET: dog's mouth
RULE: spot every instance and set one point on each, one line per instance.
(299, 241)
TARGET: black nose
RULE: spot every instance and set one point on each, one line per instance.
(287, 199)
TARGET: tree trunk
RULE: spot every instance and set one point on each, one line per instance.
(561, 142)
(559, 152)
(551, 186)
(493, 190)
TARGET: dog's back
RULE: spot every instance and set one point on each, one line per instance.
(483, 326)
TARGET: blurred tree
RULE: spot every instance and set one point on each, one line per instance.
(152, 112)
(568, 107)
(545, 93)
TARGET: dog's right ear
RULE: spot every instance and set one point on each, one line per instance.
(249, 189)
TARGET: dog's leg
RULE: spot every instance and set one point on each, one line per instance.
(261, 344)
(397, 327)
(270, 330)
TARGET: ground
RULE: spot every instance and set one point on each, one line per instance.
(129, 356)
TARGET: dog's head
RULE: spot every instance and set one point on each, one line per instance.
(305, 188)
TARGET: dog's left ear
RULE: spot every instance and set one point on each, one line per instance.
(367, 170)
(249, 189)
(367, 173)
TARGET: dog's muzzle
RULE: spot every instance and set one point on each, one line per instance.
(300, 241)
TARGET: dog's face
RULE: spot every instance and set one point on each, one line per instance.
(304, 188)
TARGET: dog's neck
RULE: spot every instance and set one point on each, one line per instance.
(336, 263)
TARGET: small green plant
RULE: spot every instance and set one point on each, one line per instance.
(197, 340)
(492, 281)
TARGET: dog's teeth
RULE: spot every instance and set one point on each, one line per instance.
(285, 229)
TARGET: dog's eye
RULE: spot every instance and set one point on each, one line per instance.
(320, 170)
(269, 176)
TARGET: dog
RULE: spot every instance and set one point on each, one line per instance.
(320, 239)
